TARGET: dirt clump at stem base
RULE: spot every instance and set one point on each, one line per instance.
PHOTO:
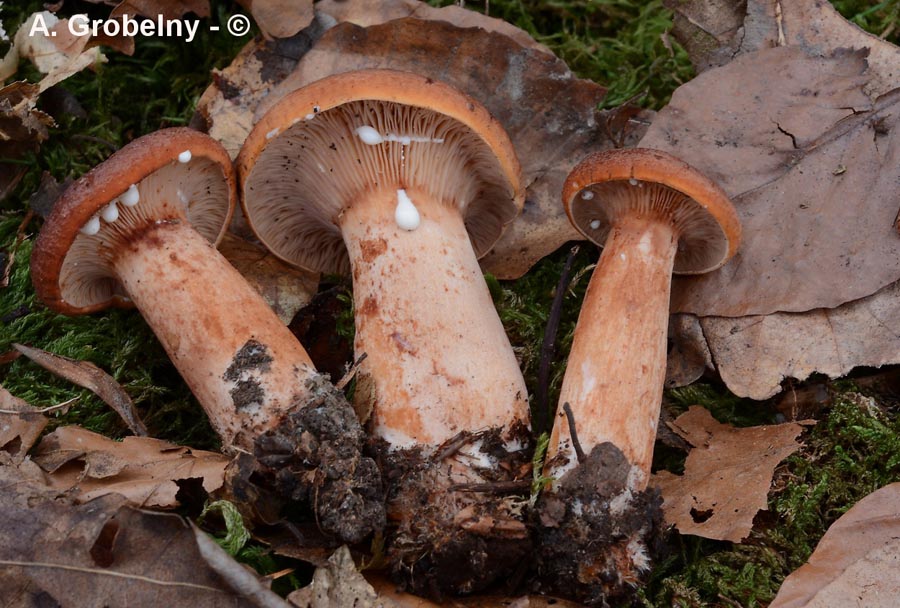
(457, 515)
(596, 538)
(314, 460)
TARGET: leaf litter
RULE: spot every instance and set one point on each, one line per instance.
(103, 552)
(727, 474)
(142, 469)
(807, 150)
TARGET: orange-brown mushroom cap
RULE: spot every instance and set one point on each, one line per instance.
(304, 162)
(72, 271)
(608, 184)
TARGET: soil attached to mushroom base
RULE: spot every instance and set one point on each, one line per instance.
(314, 459)
(596, 538)
(458, 528)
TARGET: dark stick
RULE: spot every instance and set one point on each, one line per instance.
(572, 433)
(541, 421)
(497, 487)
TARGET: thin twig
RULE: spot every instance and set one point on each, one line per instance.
(573, 433)
(497, 487)
(350, 372)
(105, 572)
(46, 410)
(548, 347)
(455, 444)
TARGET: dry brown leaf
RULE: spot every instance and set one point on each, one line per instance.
(142, 469)
(375, 12)
(87, 375)
(830, 198)
(101, 553)
(18, 431)
(715, 31)
(807, 159)
(754, 354)
(336, 585)
(549, 114)
(22, 129)
(857, 562)
(819, 29)
(280, 18)
(285, 288)
(726, 476)
(58, 53)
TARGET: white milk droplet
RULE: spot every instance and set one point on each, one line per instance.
(633, 182)
(110, 213)
(595, 224)
(310, 116)
(587, 195)
(407, 215)
(131, 196)
(92, 227)
(183, 198)
(272, 133)
(369, 135)
(185, 157)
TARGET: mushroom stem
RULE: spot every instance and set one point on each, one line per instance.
(245, 368)
(438, 360)
(623, 322)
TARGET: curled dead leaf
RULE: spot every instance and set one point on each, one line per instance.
(20, 425)
(87, 375)
(142, 469)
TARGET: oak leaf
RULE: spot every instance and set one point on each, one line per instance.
(141, 469)
(726, 476)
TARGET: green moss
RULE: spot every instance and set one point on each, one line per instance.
(879, 18)
(621, 44)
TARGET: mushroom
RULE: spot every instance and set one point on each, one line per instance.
(654, 215)
(140, 229)
(404, 181)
